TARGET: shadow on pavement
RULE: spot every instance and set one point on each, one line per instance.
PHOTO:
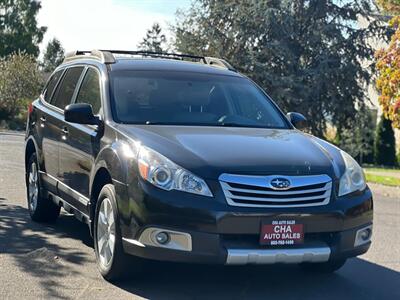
(358, 279)
(34, 253)
(31, 246)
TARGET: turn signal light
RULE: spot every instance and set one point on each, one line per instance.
(30, 108)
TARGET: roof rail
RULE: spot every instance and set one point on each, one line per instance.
(104, 56)
(219, 62)
(107, 56)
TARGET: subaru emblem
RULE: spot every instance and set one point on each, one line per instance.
(280, 183)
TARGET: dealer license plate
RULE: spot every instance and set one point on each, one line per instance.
(281, 232)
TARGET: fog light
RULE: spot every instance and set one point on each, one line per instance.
(166, 238)
(162, 238)
(363, 236)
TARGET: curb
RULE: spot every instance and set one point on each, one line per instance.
(15, 133)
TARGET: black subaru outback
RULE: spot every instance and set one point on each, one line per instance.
(181, 158)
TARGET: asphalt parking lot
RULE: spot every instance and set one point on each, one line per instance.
(57, 261)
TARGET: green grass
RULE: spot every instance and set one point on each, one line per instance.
(382, 179)
(381, 169)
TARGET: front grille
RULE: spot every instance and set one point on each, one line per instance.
(257, 191)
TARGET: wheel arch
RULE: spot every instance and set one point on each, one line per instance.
(109, 169)
(30, 148)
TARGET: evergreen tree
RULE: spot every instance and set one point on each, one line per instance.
(18, 27)
(358, 140)
(53, 56)
(154, 41)
(306, 54)
(385, 149)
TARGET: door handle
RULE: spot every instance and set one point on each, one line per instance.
(64, 130)
(42, 121)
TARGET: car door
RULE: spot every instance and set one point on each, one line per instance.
(62, 96)
(48, 135)
(80, 145)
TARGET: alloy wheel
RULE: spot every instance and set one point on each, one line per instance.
(105, 232)
(33, 190)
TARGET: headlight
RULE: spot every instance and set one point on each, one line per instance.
(353, 178)
(165, 174)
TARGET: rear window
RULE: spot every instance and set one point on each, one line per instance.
(65, 90)
(180, 98)
(51, 84)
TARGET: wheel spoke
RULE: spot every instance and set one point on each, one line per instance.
(102, 218)
(101, 242)
(105, 203)
(31, 177)
(111, 241)
(108, 252)
(110, 213)
(33, 170)
(111, 220)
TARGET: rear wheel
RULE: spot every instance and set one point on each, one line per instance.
(325, 267)
(41, 209)
(111, 259)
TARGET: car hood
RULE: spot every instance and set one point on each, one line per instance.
(211, 151)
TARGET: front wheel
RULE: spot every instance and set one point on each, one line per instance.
(325, 267)
(111, 260)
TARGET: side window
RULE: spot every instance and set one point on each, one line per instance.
(67, 87)
(90, 90)
(51, 84)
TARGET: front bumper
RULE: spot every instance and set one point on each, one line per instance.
(215, 249)
(230, 235)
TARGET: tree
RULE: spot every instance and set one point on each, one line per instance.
(385, 151)
(388, 65)
(392, 6)
(154, 41)
(358, 140)
(306, 54)
(53, 56)
(20, 82)
(18, 27)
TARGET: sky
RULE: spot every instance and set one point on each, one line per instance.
(105, 24)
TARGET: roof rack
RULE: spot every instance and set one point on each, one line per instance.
(107, 57)
(104, 56)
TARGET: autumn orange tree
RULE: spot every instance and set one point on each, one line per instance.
(388, 65)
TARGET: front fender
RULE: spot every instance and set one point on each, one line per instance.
(111, 158)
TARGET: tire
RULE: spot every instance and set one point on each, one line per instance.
(326, 267)
(112, 262)
(41, 209)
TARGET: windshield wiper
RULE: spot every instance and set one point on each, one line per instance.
(222, 124)
(233, 124)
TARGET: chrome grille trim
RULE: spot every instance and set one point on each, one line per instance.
(256, 191)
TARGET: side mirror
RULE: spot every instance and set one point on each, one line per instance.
(80, 113)
(298, 120)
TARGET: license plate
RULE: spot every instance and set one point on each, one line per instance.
(281, 232)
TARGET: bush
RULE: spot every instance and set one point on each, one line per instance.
(398, 159)
(385, 146)
(20, 82)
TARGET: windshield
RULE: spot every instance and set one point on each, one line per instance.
(182, 98)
